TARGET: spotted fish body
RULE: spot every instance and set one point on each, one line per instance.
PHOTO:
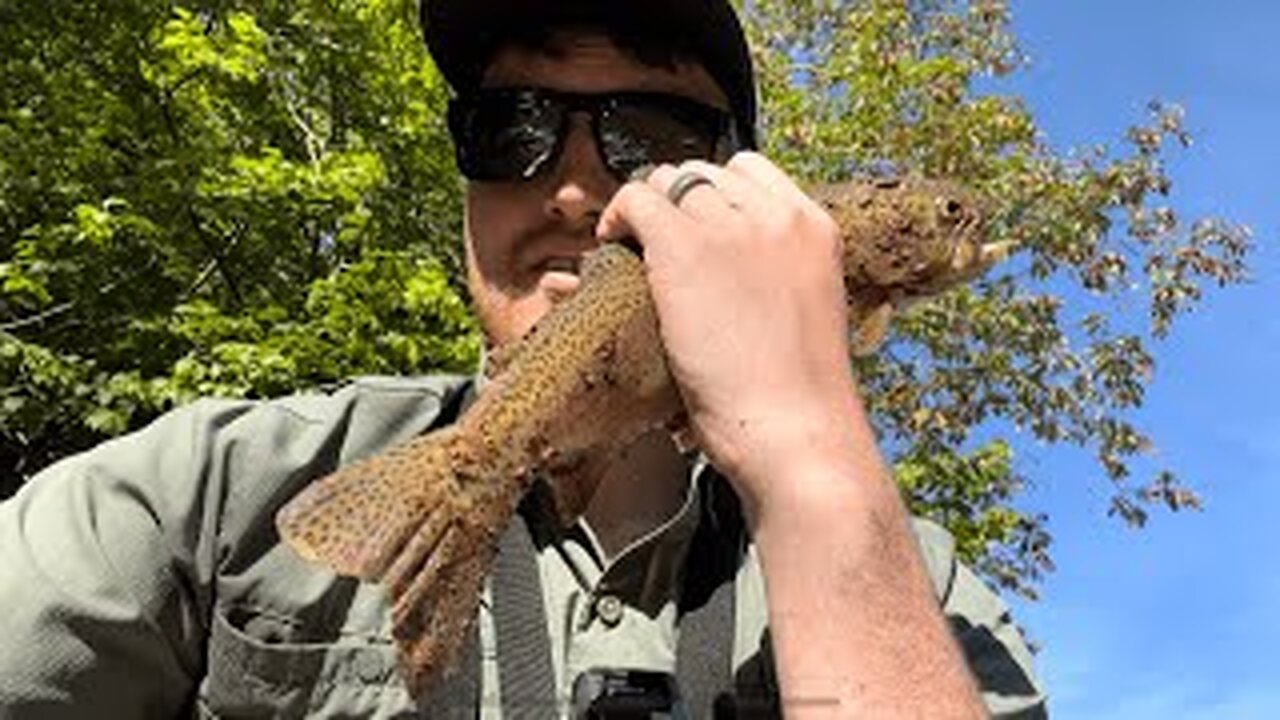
(424, 518)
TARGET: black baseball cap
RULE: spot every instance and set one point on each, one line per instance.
(462, 36)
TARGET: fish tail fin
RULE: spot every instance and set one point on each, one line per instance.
(407, 520)
(433, 613)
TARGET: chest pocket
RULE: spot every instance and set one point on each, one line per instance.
(265, 665)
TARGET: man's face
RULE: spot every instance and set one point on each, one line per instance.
(524, 238)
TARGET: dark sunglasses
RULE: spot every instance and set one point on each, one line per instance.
(505, 134)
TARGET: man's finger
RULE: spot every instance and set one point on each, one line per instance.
(640, 211)
(714, 203)
(763, 172)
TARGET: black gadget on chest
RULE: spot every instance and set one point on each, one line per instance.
(624, 694)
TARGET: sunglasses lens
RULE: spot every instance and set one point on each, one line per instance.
(505, 135)
(642, 132)
(512, 134)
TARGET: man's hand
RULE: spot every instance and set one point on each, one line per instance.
(746, 279)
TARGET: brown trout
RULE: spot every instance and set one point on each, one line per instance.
(424, 518)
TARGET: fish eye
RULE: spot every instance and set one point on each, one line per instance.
(951, 210)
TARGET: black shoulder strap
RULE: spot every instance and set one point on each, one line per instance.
(526, 676)
(704, 655)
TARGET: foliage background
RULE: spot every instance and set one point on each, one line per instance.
(226, 198)
(252, 199)
(1177, 620)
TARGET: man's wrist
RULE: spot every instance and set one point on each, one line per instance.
(808, 464)
(855, 621)
(824, 497)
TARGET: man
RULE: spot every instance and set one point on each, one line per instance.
(145, 578)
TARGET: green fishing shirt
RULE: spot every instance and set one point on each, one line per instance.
(145, 579)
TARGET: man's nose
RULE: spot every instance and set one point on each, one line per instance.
(581, 184)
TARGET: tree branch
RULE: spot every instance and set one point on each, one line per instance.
(38, 318)
(209, 243)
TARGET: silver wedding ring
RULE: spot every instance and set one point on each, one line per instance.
(684, 183)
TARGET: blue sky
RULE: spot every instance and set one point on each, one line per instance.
(1178, 620)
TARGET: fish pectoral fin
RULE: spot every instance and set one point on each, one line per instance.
(996, 252)
(987, 255)
(870, 330)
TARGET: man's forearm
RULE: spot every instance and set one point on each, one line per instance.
(856, 628)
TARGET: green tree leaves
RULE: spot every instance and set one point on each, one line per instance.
(216, 198)
(1047, 345)
(185, 47)
(233, 198)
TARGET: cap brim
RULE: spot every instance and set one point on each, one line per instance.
(463, 34)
